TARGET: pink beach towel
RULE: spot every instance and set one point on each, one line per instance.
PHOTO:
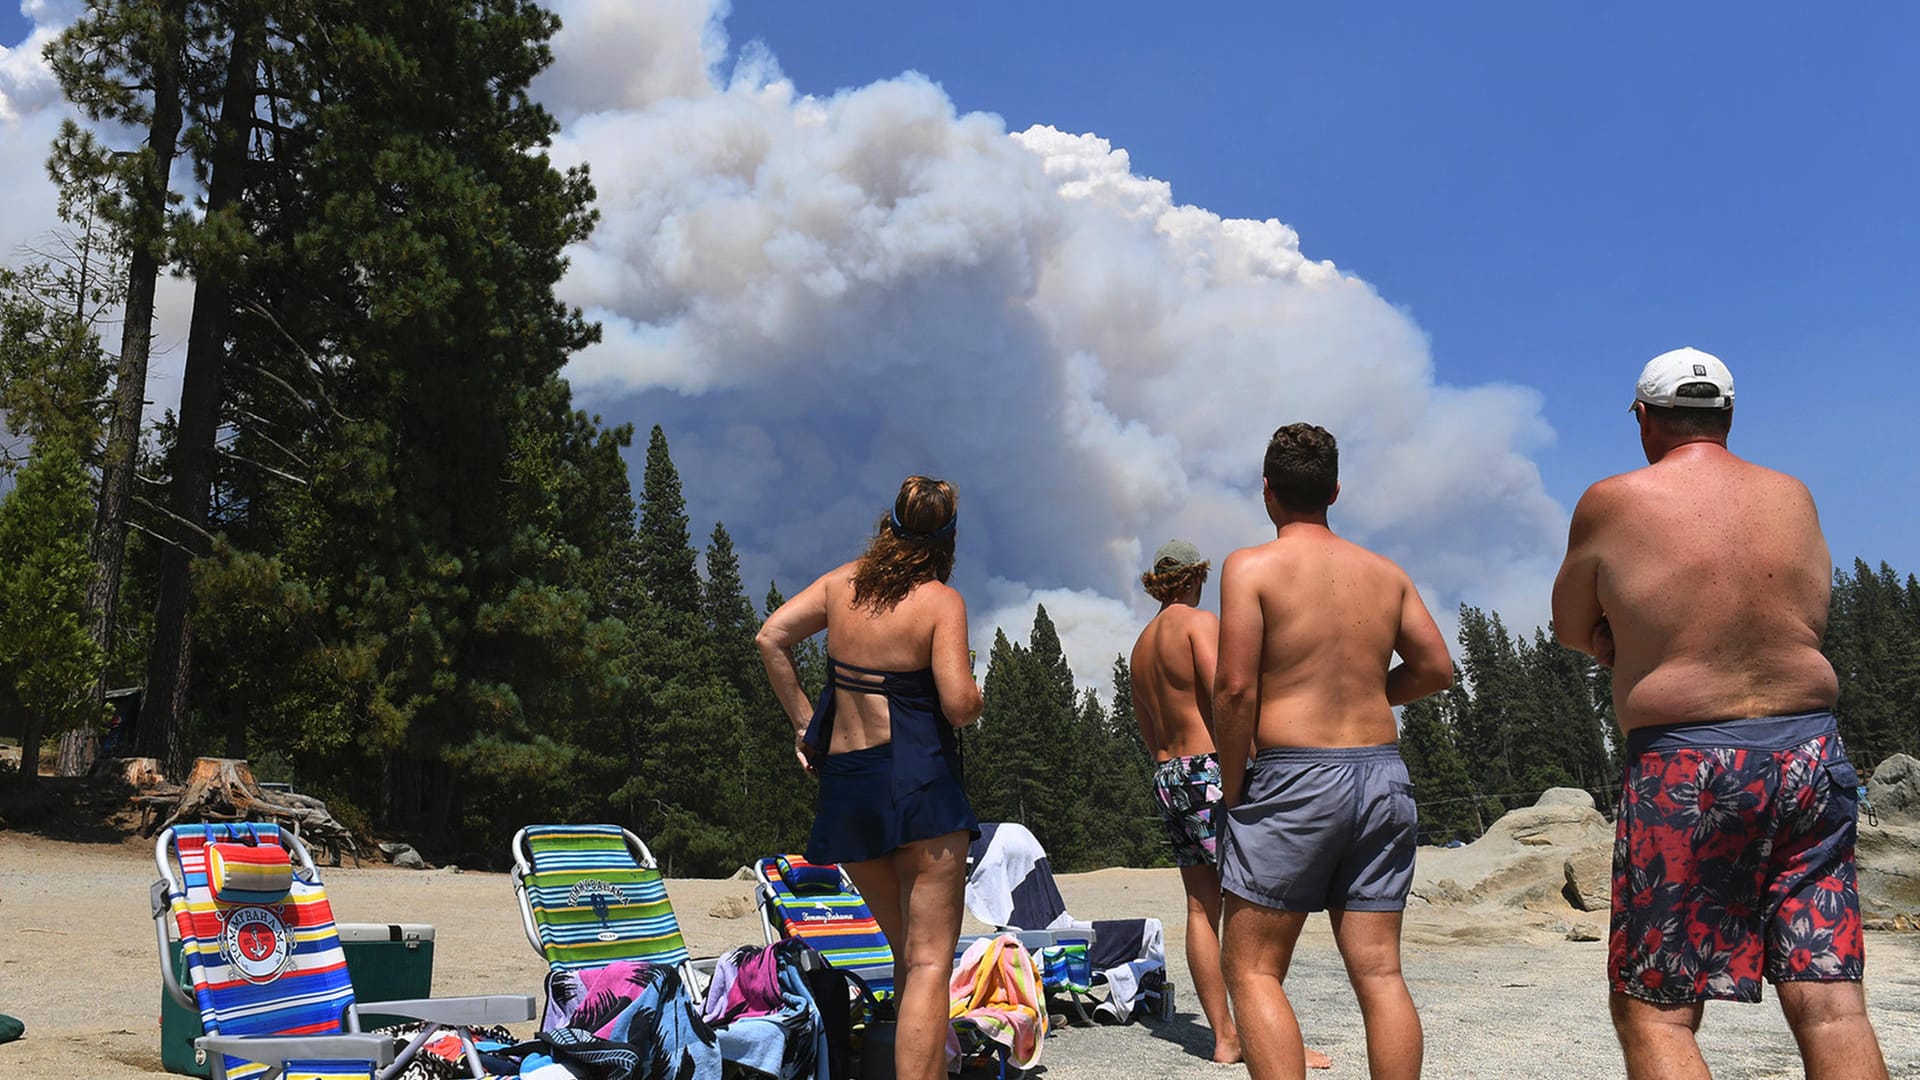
(996, 988)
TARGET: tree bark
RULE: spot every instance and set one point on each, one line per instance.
(79, 747)
(30, 747)
(148, 246)
(170, 667)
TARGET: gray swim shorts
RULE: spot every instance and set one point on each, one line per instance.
(1322, 828)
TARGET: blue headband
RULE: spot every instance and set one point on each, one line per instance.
(901, 531)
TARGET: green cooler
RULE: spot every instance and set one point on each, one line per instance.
(386, 961)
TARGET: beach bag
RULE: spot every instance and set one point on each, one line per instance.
(842, 997)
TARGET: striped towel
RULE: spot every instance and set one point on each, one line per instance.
(996, 990)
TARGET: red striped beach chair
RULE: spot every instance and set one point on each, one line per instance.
(820, 906)
(268, 975)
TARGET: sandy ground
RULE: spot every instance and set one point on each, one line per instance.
(1502, 992)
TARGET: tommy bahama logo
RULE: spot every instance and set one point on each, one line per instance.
(599, 895)
(256, 944)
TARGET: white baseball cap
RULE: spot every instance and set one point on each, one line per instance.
(1664, 375)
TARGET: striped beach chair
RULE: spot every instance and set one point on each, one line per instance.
(819, 905)
(268, 976)
(591, 895)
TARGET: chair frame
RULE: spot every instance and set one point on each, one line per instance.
(695, 972)
(384, 1054)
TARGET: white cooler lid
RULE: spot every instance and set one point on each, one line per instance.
(361, 932)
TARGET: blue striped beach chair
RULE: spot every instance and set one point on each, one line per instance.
(819, 905)
(269, 979)
(591, 895)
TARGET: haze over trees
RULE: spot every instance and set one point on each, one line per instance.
(378, 552)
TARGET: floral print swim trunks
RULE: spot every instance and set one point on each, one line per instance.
(1733, 859)
(1188, 789)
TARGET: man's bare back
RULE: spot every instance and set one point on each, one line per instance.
(1714, 580)
(1172, 666)
(1326, 617)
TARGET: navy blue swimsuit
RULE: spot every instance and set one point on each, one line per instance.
(909, 788)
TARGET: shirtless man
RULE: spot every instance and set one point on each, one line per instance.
(1703, 581)
(1173, 667)
(1323, 818)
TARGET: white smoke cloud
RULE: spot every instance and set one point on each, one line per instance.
(819, 295)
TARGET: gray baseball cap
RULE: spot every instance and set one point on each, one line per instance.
(1176, 553)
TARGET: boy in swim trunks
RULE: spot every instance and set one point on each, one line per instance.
(1703, 581)
(1172, 667)
(1323, 818)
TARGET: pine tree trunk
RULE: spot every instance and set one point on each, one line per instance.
(170, 668)
(78, 750)
(30, 747)
(109, 541)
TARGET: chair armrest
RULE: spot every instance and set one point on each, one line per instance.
(488, 1009)
(274, 1049)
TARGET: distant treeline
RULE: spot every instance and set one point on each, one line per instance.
(1531, 714)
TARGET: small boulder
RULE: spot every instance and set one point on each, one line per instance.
(403, 856)
(1590, 877)
(1583, 932)
(1565, 796)
(1895, 789)
(733, 907)
(745, 873)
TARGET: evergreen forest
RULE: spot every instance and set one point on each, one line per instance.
(378, 552)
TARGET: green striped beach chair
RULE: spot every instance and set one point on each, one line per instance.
(592, 894)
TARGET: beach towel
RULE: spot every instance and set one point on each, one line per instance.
(1010, 884)
(765, 1014)
(627, 1020)
(996, 991)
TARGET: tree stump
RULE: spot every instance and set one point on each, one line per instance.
(140, 773)
(224, 790)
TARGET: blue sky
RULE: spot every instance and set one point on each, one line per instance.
(1555, 192)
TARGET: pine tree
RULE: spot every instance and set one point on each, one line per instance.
(774, 801)
(666, 553)
(122, 63)
(218, 243)
(1449, 805)
(47, 660)
(1132, 790)
(993, 782)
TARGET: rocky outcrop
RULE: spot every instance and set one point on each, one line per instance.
(1521, 861)
(1590, 877)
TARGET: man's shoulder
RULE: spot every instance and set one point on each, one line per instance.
(1189, 619)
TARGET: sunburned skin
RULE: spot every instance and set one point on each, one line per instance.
(1704, 580)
